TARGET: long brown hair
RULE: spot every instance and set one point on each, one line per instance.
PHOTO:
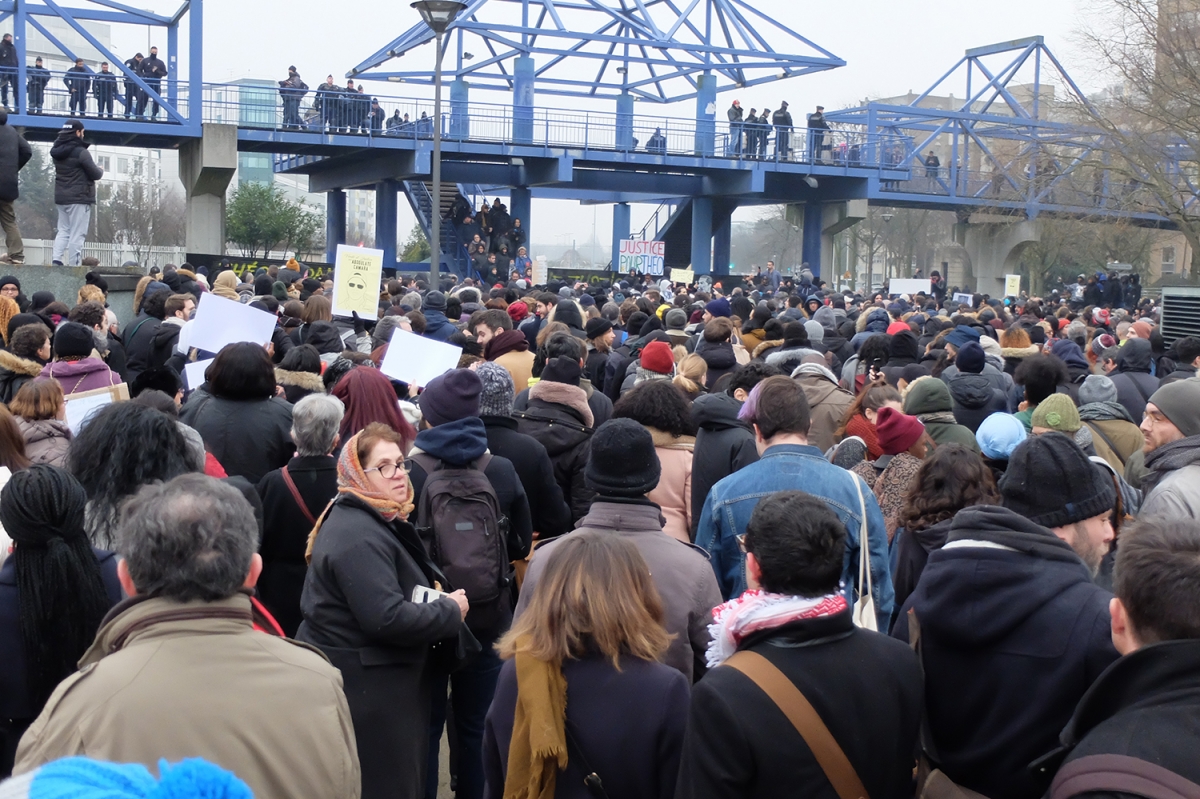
(872, 397)
(317, 308)
(37, 400)
(950, 479)
(139, 293)
(12, 443)
(596, 595)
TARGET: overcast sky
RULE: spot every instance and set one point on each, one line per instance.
(890, 46)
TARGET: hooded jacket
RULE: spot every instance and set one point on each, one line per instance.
(558, 416)
(298, 385)
(834, 341)
(720, 358)
(15, 152)
(437, 326)
(827, 402)
(82, 375)
(930, 401)
(244, 693)
(1013, 632)
(75, 173)
(1114, 435)
(548, 510)
(1132, 377)
(876, 321)
(912, 548)
(975, 398)
(14, 373)
(458, 444)
(724, 444)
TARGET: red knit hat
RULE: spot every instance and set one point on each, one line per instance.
(657, 357)
(897, 431)
(898, 327)
(518, 311)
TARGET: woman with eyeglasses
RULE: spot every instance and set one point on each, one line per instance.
(363, 607)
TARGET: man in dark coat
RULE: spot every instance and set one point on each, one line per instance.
(782, 120)
(8, 68)
(152, 70)
(75, 176)
(15, 152)
(1146, 704)
(104, 86)
(437, 326)
(1012, 629)
(293, 498)
(865, 689)
(37, 76)
(139, 334)
(724, 443)
(454, 439)
(563, 345)
(78, 80)
(548, 510)
(132, 91)
(1132, 376)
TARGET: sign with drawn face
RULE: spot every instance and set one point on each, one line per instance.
(356, 275)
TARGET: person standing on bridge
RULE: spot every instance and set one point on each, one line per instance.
(783, 131)
(153, 71)
(15, 152)
(326, 102)
(735, 128)
(764, 133)
(35, 86)
(132, 91)
(78, 81)
(292, 90)
(751, 129)
(105, 88)
(8, 68)
(75, 176)
(816, 133)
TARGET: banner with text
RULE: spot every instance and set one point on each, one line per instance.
(643, 257)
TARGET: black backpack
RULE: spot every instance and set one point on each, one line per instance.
(459, 519)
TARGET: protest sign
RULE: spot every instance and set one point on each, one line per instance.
(643, 257)
(416, 360)
(904, 286)
(963, 299)
(682, 276)
(356, 275)
(1012, 285)
(219, 321)
(194, 373)
(81, 406)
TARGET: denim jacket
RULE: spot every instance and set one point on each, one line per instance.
(794, 467)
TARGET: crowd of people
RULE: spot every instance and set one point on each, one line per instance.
(645, 540)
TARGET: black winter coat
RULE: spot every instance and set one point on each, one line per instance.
(912, 553)
(1132, 377)
(565, 433)
(357, 610)
(719, 357)
(865, 687)
(285, 533)
(975, 399)
(18, 708)
(116, 358)
(14, 373)
(75, 173)
(629, 723)
(599, 404)
(548, 510)
(139, 344)
(724, 444)
(15, 152)
(247, 437)
(1011, 639)
(1145, 705)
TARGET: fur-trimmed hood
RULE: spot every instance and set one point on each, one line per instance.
(19, 365)
(766, 345)
(309, 381)
(573, 397)
(664, 439)
(1020, 352)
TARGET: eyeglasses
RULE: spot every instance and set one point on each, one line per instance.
(387, 470)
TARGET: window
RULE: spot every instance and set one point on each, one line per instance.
(123, 166)
(1168, 260)
(104, 163)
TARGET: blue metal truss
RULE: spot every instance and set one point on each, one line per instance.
(653, 50)
(183, 109)
(1019, 140)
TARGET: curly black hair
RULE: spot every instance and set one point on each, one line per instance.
(658, 404)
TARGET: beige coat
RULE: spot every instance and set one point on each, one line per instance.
(674, 490)
(520, 366)
(171, 680)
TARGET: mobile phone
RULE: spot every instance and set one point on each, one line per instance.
(423, 595)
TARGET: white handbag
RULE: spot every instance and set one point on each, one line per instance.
(864, 606)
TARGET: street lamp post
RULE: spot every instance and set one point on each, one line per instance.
(437, 14)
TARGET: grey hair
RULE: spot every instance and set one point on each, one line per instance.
(384, 329)
(315, 423)
(188, 539)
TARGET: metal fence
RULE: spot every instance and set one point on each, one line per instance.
(41, 251)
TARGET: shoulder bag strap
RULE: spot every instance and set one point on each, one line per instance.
(1107, 440)
(864, 543)
(291, 484)
(1120, 774)
(783, 692)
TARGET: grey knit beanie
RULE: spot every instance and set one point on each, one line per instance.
(1180, 403)
(1097, 388)
(496, 399)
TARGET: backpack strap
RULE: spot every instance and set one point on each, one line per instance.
(291, 484)
(1120, 774)
(783, 692)
(1107, 440)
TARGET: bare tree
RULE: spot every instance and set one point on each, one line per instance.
(141, 214)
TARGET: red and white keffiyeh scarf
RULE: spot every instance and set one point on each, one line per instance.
(754, 611)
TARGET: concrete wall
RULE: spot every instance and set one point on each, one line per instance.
(64, 283)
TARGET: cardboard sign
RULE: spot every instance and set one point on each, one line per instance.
(1012, 285)
(356, 275)
(682, 276)
(963, 299)
(541, 271)
(905, 286)
(82, 406)
(643, 257)
(219, 321)
(416, 360)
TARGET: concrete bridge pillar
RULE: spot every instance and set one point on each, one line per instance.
(335, 223)
(994, 248)
(206, 165)
(823, 221)
(702, 236)
(524, 73)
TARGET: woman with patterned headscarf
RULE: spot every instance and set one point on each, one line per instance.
(365, 605)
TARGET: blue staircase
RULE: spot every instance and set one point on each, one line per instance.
(671, 224)
(420, 197)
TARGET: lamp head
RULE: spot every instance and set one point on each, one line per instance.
(439, 14)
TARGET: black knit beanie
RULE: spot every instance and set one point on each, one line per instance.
(1052, 483)
(621, 460)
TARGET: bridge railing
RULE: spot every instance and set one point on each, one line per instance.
(262, 107)
(59, 93)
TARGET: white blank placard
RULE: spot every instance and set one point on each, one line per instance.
(416, 360)
(220, 321)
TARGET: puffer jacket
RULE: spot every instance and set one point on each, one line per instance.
(75, 173)
(558, 416)
(828, 403)
(673, 494)
(46, 440)
(975, 399)
(14, 373)
(1114, 435)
